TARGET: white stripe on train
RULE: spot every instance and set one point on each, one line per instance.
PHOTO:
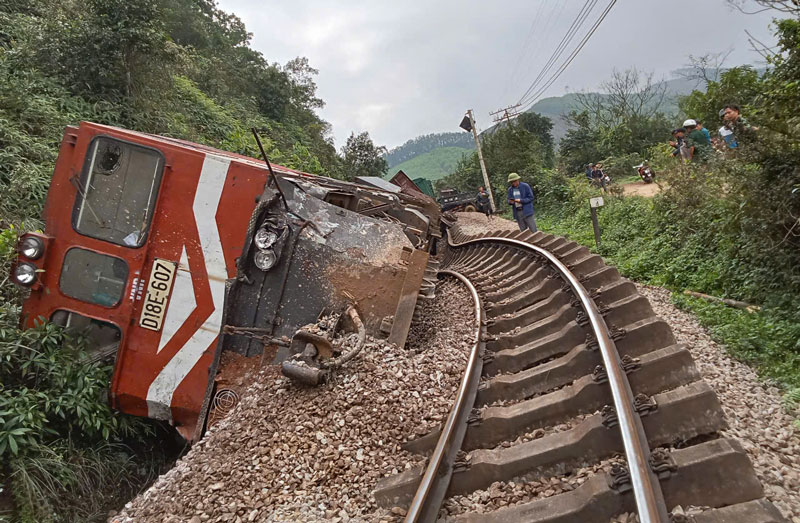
(181, 304)
(206, 203)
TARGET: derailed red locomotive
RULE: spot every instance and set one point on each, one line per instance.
(169, 253)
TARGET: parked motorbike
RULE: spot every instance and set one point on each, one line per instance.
(645, 172)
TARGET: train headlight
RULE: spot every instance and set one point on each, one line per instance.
(265, 260)
(31, 247)
(25, 274)
(265, 238)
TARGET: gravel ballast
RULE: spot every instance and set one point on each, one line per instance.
(753, 409)
(295, 453)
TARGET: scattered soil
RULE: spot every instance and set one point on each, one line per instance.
(479, 223)
(641, 189)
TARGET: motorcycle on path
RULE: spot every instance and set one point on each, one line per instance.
(645, 172)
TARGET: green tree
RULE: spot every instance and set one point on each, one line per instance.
(361, 157)
(524, 146)
(624, 118)
(580, 145)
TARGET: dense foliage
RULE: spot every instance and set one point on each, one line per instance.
(360, 157)
(729, 228)
(180, 68)
(525, 146)
(626, 119)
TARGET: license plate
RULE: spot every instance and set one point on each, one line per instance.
(158, 288)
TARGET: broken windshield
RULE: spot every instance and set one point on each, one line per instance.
(117, 191)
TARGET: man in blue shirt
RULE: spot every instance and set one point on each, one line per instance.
(520, 198)
(703, 130)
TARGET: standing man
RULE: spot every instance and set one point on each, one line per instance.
(737, 124)
(520, 198)
(483, 202)
(599, 177)
(698, 143)
(703, 130)
(681, 151)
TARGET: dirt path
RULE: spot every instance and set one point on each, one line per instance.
(640, 188)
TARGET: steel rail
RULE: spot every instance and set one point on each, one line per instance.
(650, 502)
(432, 488)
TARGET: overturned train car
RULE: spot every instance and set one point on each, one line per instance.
(168, 254)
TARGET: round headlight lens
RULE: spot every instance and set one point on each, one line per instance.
(31, 247)
(265, 260)
(25, 274)
(265, 238)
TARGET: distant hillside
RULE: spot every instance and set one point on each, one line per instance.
(556, 107)
(432, 165)
(433, 156)
(429, 142)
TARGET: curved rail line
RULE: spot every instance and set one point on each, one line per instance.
(433, 487)
(538, 334)
(647, 491)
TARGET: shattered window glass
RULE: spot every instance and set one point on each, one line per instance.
(117, 191)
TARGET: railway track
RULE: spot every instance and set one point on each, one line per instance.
(577, 404)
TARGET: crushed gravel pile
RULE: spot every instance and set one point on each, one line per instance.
(753, 408)
(479, 223)
(526, 489)
(294, 453)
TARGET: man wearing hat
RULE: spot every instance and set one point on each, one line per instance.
(520, 198)
(699, 144)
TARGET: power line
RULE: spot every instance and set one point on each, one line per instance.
(527, 41)
(571, 57)
(544, 36)
(577, 22)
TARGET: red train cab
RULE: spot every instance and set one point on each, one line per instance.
(141, 234)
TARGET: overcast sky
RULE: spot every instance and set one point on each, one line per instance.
(399, 69)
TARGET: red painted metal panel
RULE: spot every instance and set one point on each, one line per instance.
(200, 221)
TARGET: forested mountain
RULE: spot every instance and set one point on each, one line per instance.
(180, 68)
(428, 142)
(433, 165)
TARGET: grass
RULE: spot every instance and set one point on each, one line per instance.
(768, 340)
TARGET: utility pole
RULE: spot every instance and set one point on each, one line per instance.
(506, 113)
(480, 157)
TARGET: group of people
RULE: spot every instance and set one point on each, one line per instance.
(693, 143)
(595, 175)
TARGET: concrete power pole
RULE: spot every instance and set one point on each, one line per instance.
(483, 165)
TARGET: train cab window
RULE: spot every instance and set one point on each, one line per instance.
(102, 338)
(93, 277)
(117, 191)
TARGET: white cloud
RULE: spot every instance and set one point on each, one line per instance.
(401, 69)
